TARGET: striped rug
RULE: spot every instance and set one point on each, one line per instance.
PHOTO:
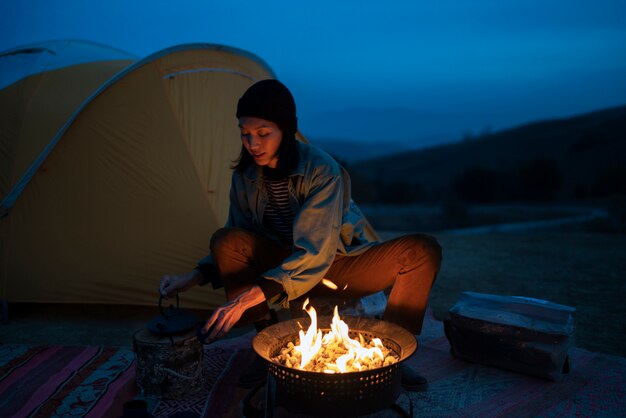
(95, 382)
(65, 381)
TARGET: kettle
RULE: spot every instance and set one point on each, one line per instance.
(173, 321)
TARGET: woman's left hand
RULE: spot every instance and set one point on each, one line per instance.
(227, 315)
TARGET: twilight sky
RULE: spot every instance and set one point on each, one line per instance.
(420, 72)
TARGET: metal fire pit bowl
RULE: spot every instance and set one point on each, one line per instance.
(337, 394)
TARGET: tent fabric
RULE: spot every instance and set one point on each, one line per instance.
(136, 182)
(25, 60)
(32, 77)
(133, 184)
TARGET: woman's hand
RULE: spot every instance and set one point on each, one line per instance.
(171, 285)
(227, 315)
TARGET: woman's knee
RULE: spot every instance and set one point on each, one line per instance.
(425, 247)
(227, 238)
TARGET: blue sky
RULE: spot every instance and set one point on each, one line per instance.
(414, 71)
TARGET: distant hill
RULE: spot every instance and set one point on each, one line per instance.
(568, 158)
(350, 151)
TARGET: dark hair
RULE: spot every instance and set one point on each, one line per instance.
(271, 100)
(288, 156)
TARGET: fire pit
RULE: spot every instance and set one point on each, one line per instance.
(336, 394)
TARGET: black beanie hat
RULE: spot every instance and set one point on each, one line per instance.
(270, 100)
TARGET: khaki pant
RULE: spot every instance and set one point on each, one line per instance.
(407, 264)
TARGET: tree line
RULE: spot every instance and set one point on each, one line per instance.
(539, 180)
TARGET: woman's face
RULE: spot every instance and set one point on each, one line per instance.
(261, 138)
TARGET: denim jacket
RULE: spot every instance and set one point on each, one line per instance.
(326, 222)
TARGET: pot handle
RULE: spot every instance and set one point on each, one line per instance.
(163, 313)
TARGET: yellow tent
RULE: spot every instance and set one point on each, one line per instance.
(131, 186)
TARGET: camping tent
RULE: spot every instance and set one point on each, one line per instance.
(130, 186)
(115, 171)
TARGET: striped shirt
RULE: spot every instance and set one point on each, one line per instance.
(278, 215)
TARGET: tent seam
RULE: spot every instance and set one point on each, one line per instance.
(186, 140)
(210, 70)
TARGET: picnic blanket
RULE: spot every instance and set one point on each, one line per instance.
(65, 381)
(96, 381)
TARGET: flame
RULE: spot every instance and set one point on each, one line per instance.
(311, 341)
(329, 284)
(314, 340)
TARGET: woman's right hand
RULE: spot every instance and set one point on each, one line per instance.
(171, 285)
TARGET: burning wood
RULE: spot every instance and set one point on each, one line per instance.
(334, 351)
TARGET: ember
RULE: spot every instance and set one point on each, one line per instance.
(334, 351)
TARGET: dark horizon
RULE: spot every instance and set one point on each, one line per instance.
(350, 150)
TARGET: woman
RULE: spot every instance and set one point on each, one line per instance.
(292, 223)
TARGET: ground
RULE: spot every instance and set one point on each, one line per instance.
(581, 269)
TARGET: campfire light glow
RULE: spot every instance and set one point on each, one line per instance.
(329, 284)
(335, 351)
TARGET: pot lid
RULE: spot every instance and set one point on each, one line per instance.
(172, 321)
